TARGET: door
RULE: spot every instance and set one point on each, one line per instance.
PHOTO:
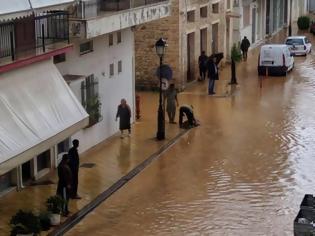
(253, 25)
(25, 34)
(286, 9)
(268, 17)
(215, 37)
(227, 43)
(26, 172)
(190, 56)
(43, 160)
(203, 40)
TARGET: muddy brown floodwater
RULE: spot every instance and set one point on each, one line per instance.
(244, 171)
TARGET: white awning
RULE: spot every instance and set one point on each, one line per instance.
(37, 111)
(48, 5)
(11, 9)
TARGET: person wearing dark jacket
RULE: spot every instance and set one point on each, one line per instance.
(245, 44)
(74, 164)
(213, 74)
(202, 61)
(187, 111)
(124, 114)
(64, 182)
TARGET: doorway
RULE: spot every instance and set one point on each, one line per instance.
(26, 172)
(268, 17)
(25, 34)
(215, 38)
(203, 40)
(253, 25)
(227, 43)
(43, 160)
(190, 56)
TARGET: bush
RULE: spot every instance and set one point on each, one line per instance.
(236, 54)
(25, 222)
(54, 204)
(303, 22)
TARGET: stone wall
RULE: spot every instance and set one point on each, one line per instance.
(146, 60)
(175, 29)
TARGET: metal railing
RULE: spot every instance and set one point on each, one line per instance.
(45, 29)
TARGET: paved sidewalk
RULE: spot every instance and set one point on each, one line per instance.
(109, 161)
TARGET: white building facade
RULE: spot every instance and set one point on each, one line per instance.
(258, 19)
(74, 66)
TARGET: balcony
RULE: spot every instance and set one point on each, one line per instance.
(92, 18)
(34, 38)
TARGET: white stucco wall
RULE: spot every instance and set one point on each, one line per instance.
(111, 89)
(126, 19)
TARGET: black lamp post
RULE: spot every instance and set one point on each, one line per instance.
(160, 49)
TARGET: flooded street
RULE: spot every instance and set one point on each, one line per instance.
(244, 171)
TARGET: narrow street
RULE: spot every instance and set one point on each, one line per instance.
(244, 171)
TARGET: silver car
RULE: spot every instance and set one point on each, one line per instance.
(299, 45)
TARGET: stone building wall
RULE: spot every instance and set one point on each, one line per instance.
(175, 29)
(146, 60)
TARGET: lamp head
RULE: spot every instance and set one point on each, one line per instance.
(160, 47)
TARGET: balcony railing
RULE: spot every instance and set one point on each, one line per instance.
(34, 32)
(95, 8)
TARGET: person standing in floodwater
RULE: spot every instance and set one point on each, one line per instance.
(171, 102)
(124, 114)
(245, 44)
(202, 62)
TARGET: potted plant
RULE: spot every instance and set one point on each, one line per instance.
(54, 207)
(25, 223)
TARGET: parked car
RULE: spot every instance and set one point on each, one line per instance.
(299, 45)
(275, 59)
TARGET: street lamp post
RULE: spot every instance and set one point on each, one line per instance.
(160, 49)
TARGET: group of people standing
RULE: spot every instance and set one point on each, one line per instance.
(68, 174)
(208, 67)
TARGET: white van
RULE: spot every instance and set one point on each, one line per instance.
(275, 59)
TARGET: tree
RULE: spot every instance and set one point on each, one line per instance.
(236, 56)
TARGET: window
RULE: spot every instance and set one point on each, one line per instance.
(246, 16)
(204, 12)
(191, 16)
(119, 66)
(110, 39)
(228, 4)
(215, 8)
(59, 58)
(111, 69)
(86, 47)
(43, 160)
(118, 37)
(90, 99)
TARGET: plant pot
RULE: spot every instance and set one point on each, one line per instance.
(54, 219)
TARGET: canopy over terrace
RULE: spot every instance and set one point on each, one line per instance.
(37, 111)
